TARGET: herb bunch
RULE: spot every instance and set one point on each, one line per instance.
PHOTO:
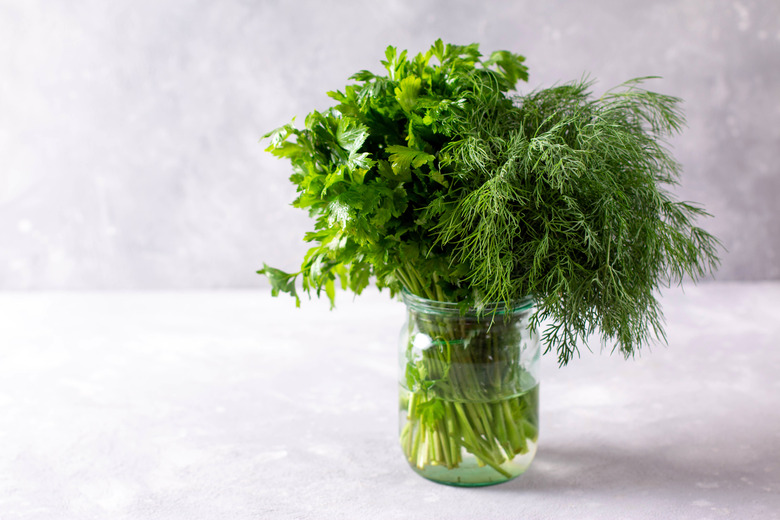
(435, 179)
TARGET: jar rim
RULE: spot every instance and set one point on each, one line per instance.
(421, 304)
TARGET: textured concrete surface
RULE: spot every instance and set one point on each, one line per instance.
(231, 405)
(129, 129)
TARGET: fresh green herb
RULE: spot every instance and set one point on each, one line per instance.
(435, 180)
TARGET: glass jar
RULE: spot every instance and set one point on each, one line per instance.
(469, 391)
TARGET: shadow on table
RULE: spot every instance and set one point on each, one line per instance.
(610, 468)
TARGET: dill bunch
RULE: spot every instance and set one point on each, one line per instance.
(437, 180)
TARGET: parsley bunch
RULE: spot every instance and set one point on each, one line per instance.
(435, 179)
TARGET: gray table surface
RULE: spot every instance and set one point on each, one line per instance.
(212, 405)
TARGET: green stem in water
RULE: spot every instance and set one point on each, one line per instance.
(466, 394)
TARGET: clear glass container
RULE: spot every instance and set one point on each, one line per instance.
(469, 391)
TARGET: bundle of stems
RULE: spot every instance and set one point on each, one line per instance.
(467, 389)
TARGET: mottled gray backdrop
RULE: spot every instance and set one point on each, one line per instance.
(129, 153)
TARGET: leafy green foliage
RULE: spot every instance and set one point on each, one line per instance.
(281, 282)
(434, 179)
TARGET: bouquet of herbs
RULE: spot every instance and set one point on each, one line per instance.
(436, 180)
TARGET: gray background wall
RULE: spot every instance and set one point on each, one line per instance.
(128, 129)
